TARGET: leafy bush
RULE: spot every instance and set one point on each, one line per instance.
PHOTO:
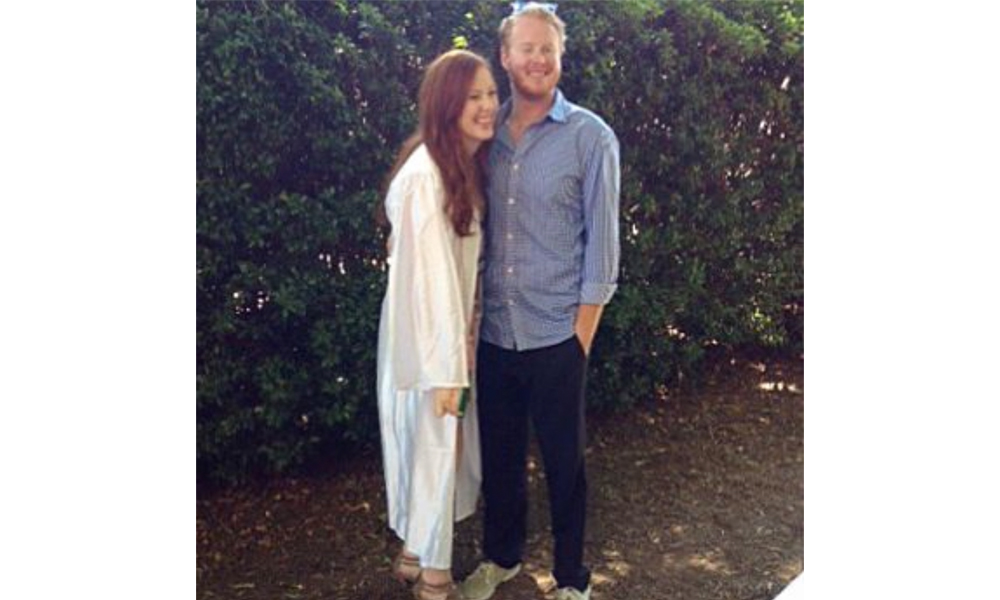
(301, 107)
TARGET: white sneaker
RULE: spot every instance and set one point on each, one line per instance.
(483, 582)
(569, 593)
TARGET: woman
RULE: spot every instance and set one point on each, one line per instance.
(434, 206)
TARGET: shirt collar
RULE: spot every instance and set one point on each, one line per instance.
(560, 108)
(559, 111)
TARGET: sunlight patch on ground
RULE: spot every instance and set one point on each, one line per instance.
(543, 579)
(542, 576)
(613, 569)
(789, 571)
(779, 386)
(620, 568)
(711, 562)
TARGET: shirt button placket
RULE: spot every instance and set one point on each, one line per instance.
(511, 254)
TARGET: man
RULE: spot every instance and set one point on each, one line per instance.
(551, 257)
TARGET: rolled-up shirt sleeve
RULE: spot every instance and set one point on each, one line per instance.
(602, 251)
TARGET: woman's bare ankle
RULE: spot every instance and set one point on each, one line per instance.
(436, 576)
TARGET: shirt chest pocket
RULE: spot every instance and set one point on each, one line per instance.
(564, 196)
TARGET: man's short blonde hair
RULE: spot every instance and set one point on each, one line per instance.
(538, 11)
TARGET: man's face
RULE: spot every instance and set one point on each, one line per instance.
(533, 58)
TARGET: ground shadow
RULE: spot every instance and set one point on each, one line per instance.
(694, 495)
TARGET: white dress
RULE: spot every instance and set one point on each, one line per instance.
(427, 315)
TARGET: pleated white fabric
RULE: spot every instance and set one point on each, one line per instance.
(427, 316)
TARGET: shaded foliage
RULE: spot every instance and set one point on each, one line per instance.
(301, 107)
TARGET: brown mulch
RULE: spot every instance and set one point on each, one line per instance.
(694, 496)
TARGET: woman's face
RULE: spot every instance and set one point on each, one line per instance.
(480, 111)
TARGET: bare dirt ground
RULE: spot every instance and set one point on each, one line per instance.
(694, 496)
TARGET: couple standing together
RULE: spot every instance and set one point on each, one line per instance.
(503, 252)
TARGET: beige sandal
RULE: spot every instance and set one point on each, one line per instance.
(441, 591)
(406, 569)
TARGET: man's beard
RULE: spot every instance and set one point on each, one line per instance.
(530, 92)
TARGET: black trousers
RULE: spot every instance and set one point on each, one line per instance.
(547, 386)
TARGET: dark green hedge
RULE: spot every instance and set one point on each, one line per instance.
(301, 107)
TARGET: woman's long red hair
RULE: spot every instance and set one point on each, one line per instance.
(442, 97)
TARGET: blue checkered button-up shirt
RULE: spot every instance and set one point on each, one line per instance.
(551, 226)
